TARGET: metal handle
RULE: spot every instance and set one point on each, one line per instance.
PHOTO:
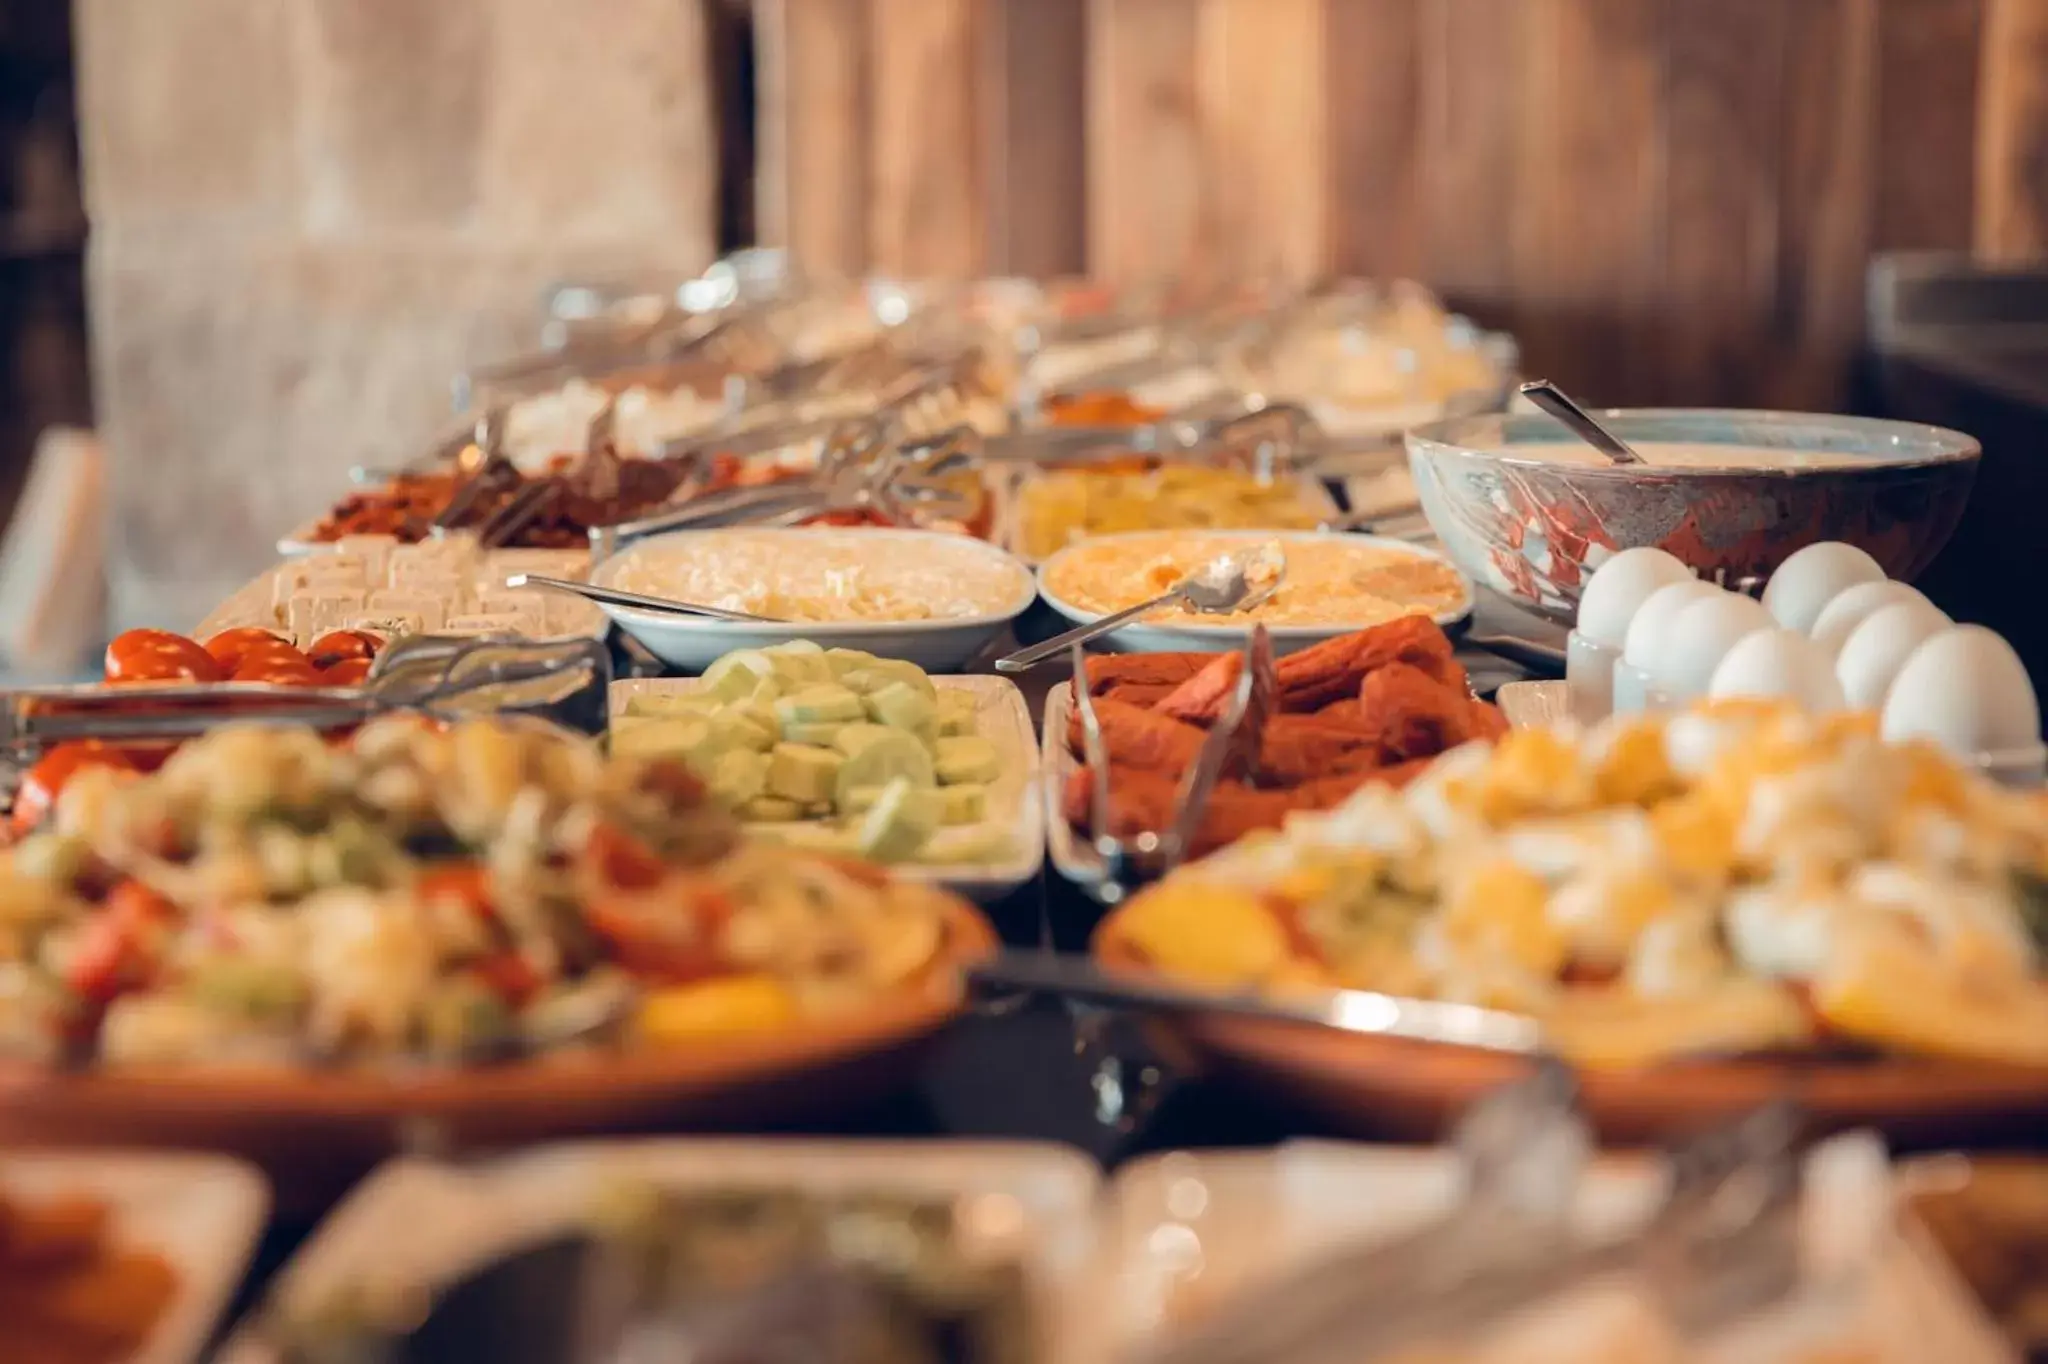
(612, 596)
(1026, 659)
(1554, 400)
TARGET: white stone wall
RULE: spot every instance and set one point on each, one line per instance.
(307, 215)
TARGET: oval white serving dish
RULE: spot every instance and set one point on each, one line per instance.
(692, 643)
(1225, 635)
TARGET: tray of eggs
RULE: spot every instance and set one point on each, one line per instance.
(1828, 632)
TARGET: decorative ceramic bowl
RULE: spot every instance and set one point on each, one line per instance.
(1534, 530)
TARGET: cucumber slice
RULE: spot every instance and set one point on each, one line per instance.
(772, 810)
(852, 738)
(738, 776)
(694, 739)
(901, 706)
(750, 726)
(966, 759)
(862, 681)
(809, 705)
(859, 800)
(900, 822)
(737, 674)
(882, 760)
(766, 692)
(844, 661)
(803, 773)
(897, 670)
(820, 733)
(963, 804)
(799, 662)
(661, 703)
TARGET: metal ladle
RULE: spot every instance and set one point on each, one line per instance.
(1219, 587)
(1558, 404)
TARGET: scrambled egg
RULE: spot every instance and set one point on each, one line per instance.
(1715, 881)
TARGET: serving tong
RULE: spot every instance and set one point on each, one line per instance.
(1722, 1247)
(560, 681)
(1231, 748)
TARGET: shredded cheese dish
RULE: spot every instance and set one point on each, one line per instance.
(818, 574)
(1061, 506)
(1736, 879)
(1332, 580)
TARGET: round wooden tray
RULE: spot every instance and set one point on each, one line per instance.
(1387, 1088)
(315, 1132)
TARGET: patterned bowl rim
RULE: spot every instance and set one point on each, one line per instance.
(1932, 446)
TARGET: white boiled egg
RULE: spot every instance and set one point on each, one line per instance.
(1699, 637)
(1805, 583)
(1782, 663)
(1966, 690)
(1646, 632)
(1619, 587)
(1879, 646)
(1852, 606)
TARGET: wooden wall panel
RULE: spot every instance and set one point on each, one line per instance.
(1668, 200)
(1145, 150)
(814, 117)
(2012, 148)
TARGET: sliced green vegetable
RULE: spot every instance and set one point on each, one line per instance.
(737, 675)
(901, 706)
(901, 820)
(737, 777)
(803, 773)
(885, 758)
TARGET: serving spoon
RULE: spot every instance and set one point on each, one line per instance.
(1558, 404)
(612, 596)
(1219, 587)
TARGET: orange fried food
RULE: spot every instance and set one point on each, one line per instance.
(1145, 802)
(1199, 700)
(1145, 695)
(1412, 714)
(1107, 673)
(1333, 669)
(1485, 720)
(1298, 749)
(1140, 740)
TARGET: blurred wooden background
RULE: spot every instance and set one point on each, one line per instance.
(1669, 200)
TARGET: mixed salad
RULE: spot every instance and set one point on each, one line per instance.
(443, 894)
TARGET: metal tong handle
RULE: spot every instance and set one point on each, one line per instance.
(612, 596)
(1198, 786)
(1026, 659)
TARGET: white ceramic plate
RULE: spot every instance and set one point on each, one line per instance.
(692, 643)
(416, 1222)
(1221, 638)
(1070, 854)
(202, 1213)
(1014, 806)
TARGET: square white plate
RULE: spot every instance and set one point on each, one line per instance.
(202, 1213)
(1003, 717)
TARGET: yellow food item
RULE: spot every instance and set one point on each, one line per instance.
(1500, 912)
(1696, 838)
(1062, 506)
(1635, 770)
(1533, 771)
(729, 1004)
(1614, 1029)
(1887, 989)
(1333, 580)
(1208, 934)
